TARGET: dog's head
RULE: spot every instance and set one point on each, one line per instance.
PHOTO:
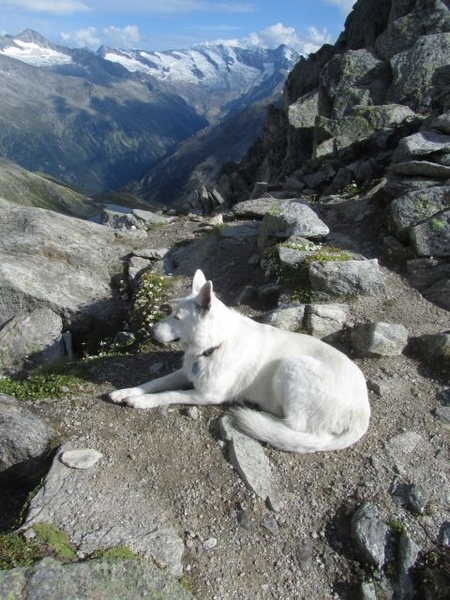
(183, 323)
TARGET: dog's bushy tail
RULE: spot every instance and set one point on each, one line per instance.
(275, 431)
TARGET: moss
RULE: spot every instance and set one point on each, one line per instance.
(39, 385)
(119, 552)
(54, 542)
(327, 253)
(16, 551)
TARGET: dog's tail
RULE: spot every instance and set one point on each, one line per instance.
(275, 431)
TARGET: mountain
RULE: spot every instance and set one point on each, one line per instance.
(97, 120)
(216, 80)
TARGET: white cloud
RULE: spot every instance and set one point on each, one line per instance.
(90, 37)
(345, 6)
(278, 34)
(56, 7)
(83, 37)
(127, 37)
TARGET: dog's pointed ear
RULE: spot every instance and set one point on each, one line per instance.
(198, 282)
(205, 295)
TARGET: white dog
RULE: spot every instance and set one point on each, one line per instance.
(312, 397)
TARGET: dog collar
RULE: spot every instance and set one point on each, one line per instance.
(208, 351)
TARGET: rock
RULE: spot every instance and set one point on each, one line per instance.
(270, 524)
(290, 318)
(149, 218)
(247, 456)
(345, 279)
(370, 535)
(294, 218)
(240, 231)
(408, 552)
(434, 347)
(30, 339)
(422, 143)
(94, 516)
(23, 435)
(417, 206)
(257, 207)
(379, 339)
(431, 237)
(443, 414)
(325, 319)
(368, 591)
(417, 498)
(380, 387)
(136, 267)
(102, 579)
(80, 459)
(49, 260)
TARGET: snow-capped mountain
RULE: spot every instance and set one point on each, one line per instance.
(32, 48)
(209, 77)
(97, 120)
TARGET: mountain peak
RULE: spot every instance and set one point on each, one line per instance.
(33, 37)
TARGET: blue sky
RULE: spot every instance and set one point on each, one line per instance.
(177, 24)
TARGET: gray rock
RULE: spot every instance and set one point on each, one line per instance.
(443, 414)
(370, 535)
(23, 435)
(408, 552)
(290, 318)
(119, 219)
(418, 206)
(256, 207)
(149, 218)
(368, 591)
(434, 347)
(345, 279)
(136, 267)
(421, 168)
(422, 143)
(431, 238)
(30, 339)
(294, 218)
(240, 231)
(414, 70)
(94, 516)
(379, 339)
(99, 579)
(417, 497)
(325, 319)
(248, 457)
(49, 260)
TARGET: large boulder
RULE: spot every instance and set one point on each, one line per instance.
(49, 260)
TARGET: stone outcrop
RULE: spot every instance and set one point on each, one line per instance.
(56, 275)
(373, 105)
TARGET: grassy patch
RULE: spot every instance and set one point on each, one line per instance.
(48, 540)
(39, 385)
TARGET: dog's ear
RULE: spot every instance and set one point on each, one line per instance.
(205, 295)
(198, 282)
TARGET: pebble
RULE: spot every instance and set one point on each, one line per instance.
(210, 543)
(80, 459)
(417, 498)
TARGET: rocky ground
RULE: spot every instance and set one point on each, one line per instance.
(170, 466)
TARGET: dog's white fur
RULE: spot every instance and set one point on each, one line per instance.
(312, 397)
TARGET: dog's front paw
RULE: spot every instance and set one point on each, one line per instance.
(122, 396)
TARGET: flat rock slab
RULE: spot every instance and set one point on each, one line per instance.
(88, 505)
(248, 457)
(99, 579)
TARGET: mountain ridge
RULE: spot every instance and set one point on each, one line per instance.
(98, 125)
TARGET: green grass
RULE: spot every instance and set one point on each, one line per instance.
(40, 385)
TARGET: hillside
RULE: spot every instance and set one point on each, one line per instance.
(99, 120)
